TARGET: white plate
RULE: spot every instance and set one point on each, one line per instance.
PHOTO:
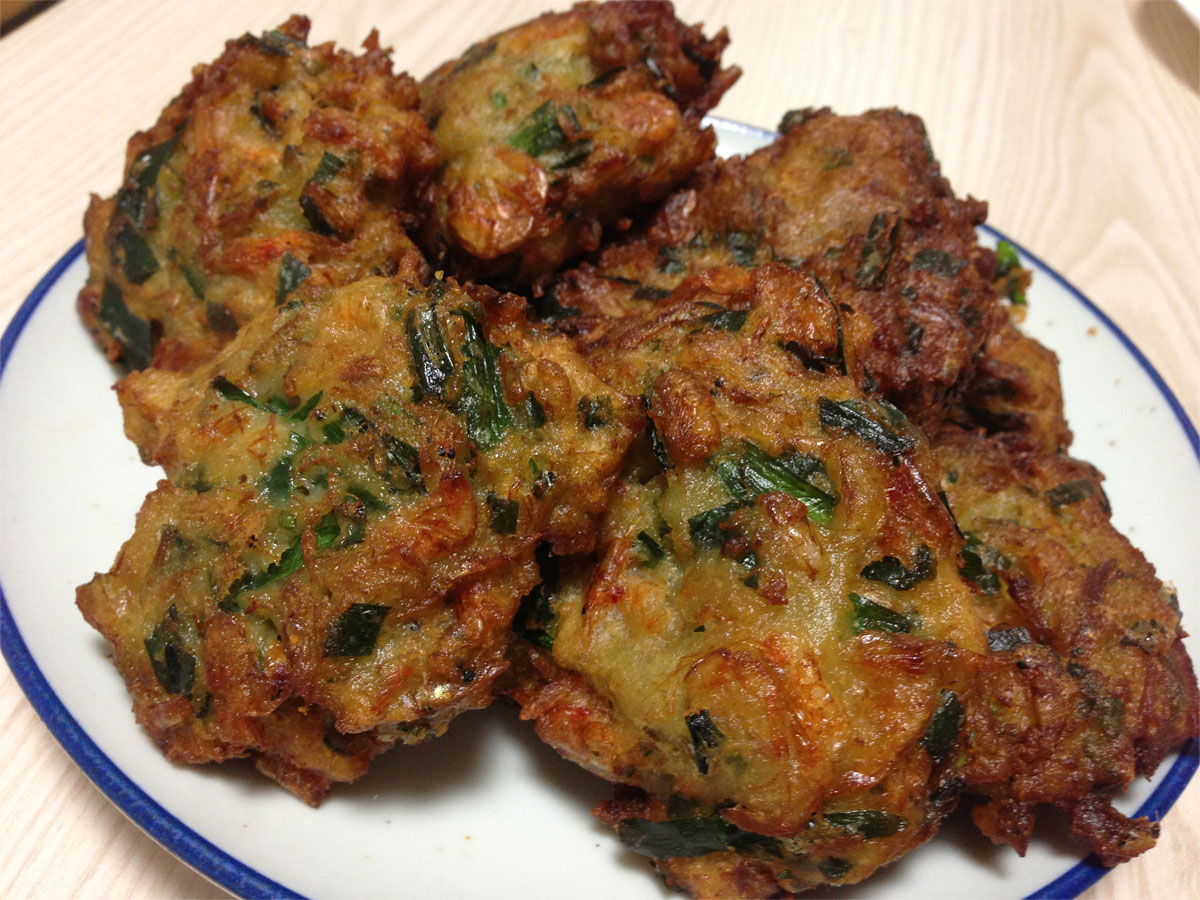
(487, 811)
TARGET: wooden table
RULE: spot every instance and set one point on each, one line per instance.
(1078, 121)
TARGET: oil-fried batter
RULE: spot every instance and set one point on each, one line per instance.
(561, 127)
(1082, 683)
(860, 202)
(212, 687)
(357, 486)
(775, 637)
(280, 165)
(790, 626)
(1118, 691)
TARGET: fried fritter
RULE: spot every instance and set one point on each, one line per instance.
(213, 686)
(280, 165)
(357, 484)
(1104, 688)
(786, 742)
(1054, 572)
(558, 128)
(860, 202)
(766, 623)
(775, 637)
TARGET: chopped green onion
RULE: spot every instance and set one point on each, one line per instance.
(877, 252)
(144, 169)
(851, 415)
(276, 43)
(356, 631)
(725, 319)
(315, 217)
(943, 726)
(978, 560)
(327, 531)
(596, 411)
(482, 402)
(132, 332)
(757, 473)
(705, 736)
(327, 168)
(260, 115)
(504, 514)
(649, 549)
(543, 479)
(174, 667)
(540, 135)
(743, 245)
(369, 500)
(1002, 639)
(872, 616)
(539, 132)
(278, 484)
(657, 447)
(432, 362)
(648, 292)
(1071, 492)
(705, 528)
(834, 868)
(139, 261)
(690, 837)
(288, 564)
(302, 413)
(536, 620)
(274, 404)
(194, 280)
(292, 273)
(1006, 259)
(939, 262)
(534, 411)
(894, 574)
(334, 432)
(870, 823)
(404, 456)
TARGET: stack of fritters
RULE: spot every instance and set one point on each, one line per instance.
(769, 521)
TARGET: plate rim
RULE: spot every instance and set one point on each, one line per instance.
(236, 876)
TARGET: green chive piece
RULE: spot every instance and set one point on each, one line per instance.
(872, 616)
(356, 631)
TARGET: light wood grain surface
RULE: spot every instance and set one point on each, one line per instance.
(1078, 121)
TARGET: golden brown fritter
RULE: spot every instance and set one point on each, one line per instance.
(216, 686)
(280, 165)
(556, 129)
(778, 748)
(775, 635)
(1054, 572)
(1104, 688)
(357, 486)
(860, 202)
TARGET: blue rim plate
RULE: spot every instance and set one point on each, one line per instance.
(153, 799)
